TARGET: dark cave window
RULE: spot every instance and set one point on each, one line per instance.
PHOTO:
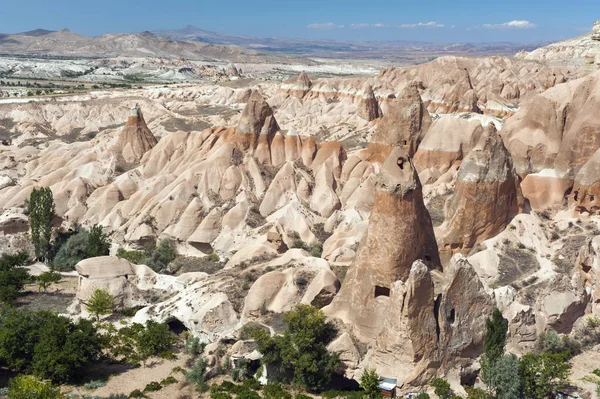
(452, 316)
(381, 291)
(400, 163)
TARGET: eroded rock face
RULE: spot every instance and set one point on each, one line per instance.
(135, 139)
(298, 87)
(392, 243)
(403, 125)
(586, 189)
(486, 197)
(368, 107)
(257, 119)
(596, 31)
(433, 324)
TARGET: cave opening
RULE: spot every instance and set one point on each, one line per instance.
(176, 326)
(381, 291)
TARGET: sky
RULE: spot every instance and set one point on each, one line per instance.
(357, 20)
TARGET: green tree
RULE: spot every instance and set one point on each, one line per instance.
(47, 345)
(369, 382)
(98, 243)
(302, 349)
(41, 216)
(494, 343)
(164, 254)
(100, 303)
(29, 387)
(441, 387)
(505, 377)
(46, 279)
(154, 340)
(544, 374)
(12, 277)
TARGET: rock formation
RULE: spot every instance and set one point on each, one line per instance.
(368, 108)
(404, 124)
(596, 31)
(298, 87)
(135, 139)
(486, 196)
(257, 121)
(586, 189)
(391, 245)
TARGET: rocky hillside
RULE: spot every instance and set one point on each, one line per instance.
(406, 205)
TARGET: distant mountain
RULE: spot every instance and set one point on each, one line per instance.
(145, 44)
(346, 49)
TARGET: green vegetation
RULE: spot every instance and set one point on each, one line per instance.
(41, 216)
(495, 340)
(441, 387)
(544, 374)
(100, 303)
(137, 343)
(12, 277)
(275, 391)
(301, 352)
(29, 387)
(82, 245)
(195, 375)
(47, 345)
(46, 279)
(157, 258)
(369, 382)
(504, 376)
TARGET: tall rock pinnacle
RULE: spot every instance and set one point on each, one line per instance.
(135, 139)
(400, 232)
(368, 108)
(257, 119)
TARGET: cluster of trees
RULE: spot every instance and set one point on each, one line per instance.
(55, 348)
(156, 257)
(12, 277)
(64, 253)
(300, 353)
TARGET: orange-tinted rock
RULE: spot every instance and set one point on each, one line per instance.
(135, 139)
(586, 190)
(368, 108)
(298, 87)
(486, 196)
(257, 118)
(400, 232)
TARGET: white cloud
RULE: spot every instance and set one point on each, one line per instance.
(431, 24)
(326, 25)
(517, 24)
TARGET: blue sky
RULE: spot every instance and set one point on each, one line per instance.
(434, 20)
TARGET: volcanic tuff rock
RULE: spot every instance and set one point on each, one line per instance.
(586, 188)
(368, 108)
(382, 259)
(298, 87)
(404, 124)
(486, 196)
(596, 31)
(552, 136)
(135, 139)
(257, 119)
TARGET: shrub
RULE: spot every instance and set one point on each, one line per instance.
(302, 396)
(252, 383)
(100, 303)
(195, 375)
(29, 387)
(220, 395)
(152, 387)
(135, 257)
(423, 395)
(46, 279)
(275, 391)
(137, 394)
(95, 384)
(441, 387)
(194, 347)
(117, 396)
(551, 342)
(369, 382)
(164, 254)
(154, 340)
(82, 245)
(544, 374)
(170, 380)
(12, 277)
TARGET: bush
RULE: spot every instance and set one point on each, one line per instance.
(82, 245)
(302, 396)
(95, 384)
(170, 380)
(551, 342)
(441, 387)
(137, 394)
(152, 387)
(46, 279)
(302, 349)
(196, 374)
(544, 374)
(423, 395)
(29, 387)
(194, 347)
(135, 257)
(220, 395)
(164, 254)
(275, 391)
(369, 382)
(252, 383)
(12, 277)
